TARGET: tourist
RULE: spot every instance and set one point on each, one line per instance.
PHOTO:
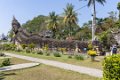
(114, 50)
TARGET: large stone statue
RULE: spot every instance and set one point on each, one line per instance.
(24, 37)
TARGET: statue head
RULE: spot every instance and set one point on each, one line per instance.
(15, 25)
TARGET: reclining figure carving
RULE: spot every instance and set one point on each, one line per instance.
(24, 37)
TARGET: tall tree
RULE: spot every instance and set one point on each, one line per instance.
(53, 23)
(70, 17)
(118, 7)
(92, 3)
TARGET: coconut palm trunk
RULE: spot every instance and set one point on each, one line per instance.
(93, 2)
(93, 21)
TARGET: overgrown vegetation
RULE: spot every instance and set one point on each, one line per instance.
(111, 67)
(79, 57)
(6, 62)
(57, 54)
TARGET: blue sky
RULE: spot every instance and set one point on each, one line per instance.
(25, 10)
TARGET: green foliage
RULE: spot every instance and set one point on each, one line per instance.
(2, 54)
(117, 24)
(47, 53)
(6, 62)
(37, 24)
(70, 17)
(118, 7)
(79, 57)
(111, 68)
(40, 52)
(8, 46)
(31, 46)
(53, 23)
(83, 34)
(57, 54)
(28, 50)
(18, 50)
(107, 39)
(24, 46)
(70, 56)
(90, 46)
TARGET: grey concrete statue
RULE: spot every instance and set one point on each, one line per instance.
(40, 40)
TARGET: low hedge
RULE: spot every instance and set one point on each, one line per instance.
(111, 67)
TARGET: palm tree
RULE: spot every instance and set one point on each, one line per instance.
(118, 7)
(93, 2)
(70, 17)
(53, 23)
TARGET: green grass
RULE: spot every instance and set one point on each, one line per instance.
(44, 72)
(65, 59)
(16, 61)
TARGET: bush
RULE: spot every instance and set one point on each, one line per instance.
(57, 54)
(79, 57)
(47, 53)
(2, 54)
(8, 47)
(31, 46)
(70, 56)
(6, 62)
(24, 46)
(40, 52)
(111, 68)
(18, 50)
(28, 51)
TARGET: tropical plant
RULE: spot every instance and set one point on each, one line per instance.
(53, 23)
(118, 7)
(83, 34)
(31, 46)
(111, 67)
(70, 17)
(93, 3)
(6, 62)
(24, 46)
(79, 57)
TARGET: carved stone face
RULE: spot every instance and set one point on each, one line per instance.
(14, 28)
(15, 25)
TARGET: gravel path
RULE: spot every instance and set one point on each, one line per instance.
(80, 69)
(18, 66)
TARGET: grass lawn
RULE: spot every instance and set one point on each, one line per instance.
(44, 72)
(16, 61)
(65, 59)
